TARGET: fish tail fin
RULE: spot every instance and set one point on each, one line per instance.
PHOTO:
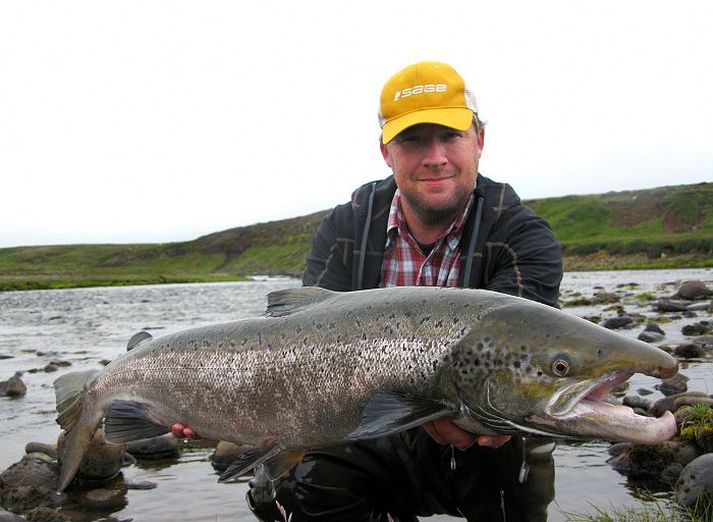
(78, 418)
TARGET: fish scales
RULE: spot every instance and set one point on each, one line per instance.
(252, 376)
(323, 367)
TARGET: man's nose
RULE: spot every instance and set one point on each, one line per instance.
(434, 153)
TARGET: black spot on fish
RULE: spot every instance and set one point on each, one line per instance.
(424, 319)
(480, 347)
(456, 320)
(516, 364)
(477, 362)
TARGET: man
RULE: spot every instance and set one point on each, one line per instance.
(436, 221)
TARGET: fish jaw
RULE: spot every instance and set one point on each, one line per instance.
(580, 411)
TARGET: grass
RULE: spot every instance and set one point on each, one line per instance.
(658, 513)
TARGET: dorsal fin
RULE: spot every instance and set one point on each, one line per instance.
(137, 339)
(285, 302)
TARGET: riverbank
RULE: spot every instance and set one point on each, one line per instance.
(661, 228)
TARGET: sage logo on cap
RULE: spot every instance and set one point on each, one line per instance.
(425, 92)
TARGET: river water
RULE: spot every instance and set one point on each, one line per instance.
(86, 326)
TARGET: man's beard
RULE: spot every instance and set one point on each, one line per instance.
(443, 215)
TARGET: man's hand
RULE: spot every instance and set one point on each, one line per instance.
(182, 431)
(443, 431)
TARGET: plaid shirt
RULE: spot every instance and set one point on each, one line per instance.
(405, 263)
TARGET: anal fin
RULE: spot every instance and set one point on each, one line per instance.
(129, 420)
(248, 460)
(391, 412)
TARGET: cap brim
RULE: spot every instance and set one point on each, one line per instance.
(454, 117)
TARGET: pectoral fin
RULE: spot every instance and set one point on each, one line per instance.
(129, 420)
(391, 412)
(283, 462)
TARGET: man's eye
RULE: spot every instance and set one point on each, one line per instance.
(413, 138)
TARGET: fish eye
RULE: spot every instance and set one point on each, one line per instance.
(560, 367)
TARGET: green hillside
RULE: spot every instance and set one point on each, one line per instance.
(656, 228)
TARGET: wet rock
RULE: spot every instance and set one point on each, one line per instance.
(649, 337)
(670, 473)
(692, 400)
(102, 460)
(634, 401)
(689, 351)
(60, 363)
(45, 514)
(704, 341)
(104, 499)
(225, 453)
(619, 447)
(693, 290)
(50, 368)
(615, 323)
(140, 484)
(700, 328)
(6, 516)
(39, 447)
(642, 461)
(4, 356)
(644, 391)
(673, 385)
(155, 448)
(654, 328)
(669, 305)
(668, 403)
(605, 298)
(39, 456)
(30, 483)
(596, 319)
(13, 387)
(700, 307)
(695, 484)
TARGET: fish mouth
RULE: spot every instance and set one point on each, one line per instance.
(580, 410)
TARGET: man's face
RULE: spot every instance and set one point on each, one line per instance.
(435, 169)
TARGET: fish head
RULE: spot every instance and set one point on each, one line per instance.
(527, 367)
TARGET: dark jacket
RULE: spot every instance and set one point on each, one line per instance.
(505, 247)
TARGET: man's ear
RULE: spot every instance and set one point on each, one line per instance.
(385, 153)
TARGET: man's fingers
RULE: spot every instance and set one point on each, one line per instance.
(177, 430)
(443, 431)
(493, 441)
(433, 432)
(182, 431)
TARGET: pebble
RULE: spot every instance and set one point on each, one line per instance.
(673, 385)
(669, 305)
(699, 328)
(615, 323)
(689, 351)
(39, 447)
(155, 448)
(13, 387)
(693, 290)
(695, 483)
(634, 401)
(104, 498)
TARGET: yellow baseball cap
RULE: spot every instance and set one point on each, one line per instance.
(425, 92)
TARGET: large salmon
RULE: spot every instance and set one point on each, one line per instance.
(322, 368)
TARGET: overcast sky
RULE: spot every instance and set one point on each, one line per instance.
(145, 121)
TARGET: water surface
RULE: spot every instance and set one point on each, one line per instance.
(86, 326)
